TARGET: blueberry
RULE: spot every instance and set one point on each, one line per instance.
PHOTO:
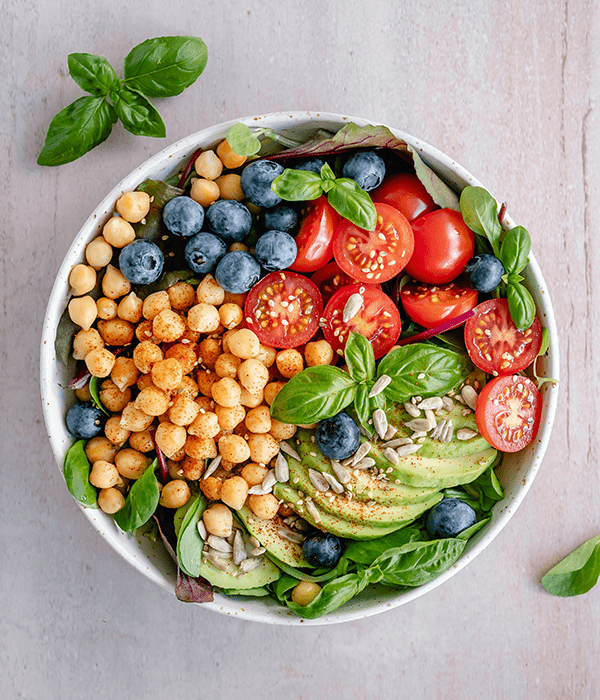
(256, 182)
(312, 164)
(338, 437)
(280, 218)
(366, 168)
(183, 216)
(229, 219)
(450, 517)
(141, 262)
(203, 251)
(485, 272)
(322, 550)
(275, 250)
(237, 272)
(84, 420)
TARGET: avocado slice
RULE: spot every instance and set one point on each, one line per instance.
(266, 572)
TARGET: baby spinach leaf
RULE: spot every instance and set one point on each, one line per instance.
(95, 392)
(439, 191)
(515, 249)
(353, 203)
(365, 552)
(189, 542)
(141, 501)
(165, 66)
(359, 357)
(470, 531)
(94, 74)
(480, 212)
(297, 185)
(242, 140)
(76, 468)
(313, 395)
(137, 113)
(577, 573)
(417, 563)
(65, 332)
(520, 305)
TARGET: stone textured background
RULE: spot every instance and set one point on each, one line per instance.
(510, 89)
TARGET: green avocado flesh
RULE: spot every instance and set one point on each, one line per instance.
(265, 572)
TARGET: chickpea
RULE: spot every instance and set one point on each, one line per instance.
(253, 375)
(82, 279)
(227, 365)
(118, 232)
(254, 474)
(266, 355)
(82, 311)
(203, 318)
(218, 520)
(131, 463)
(318, 352)
(264, 507)
(263, 447)
(154, 304)
(226, 392)
(152, 401)
(181, 296)
(130, 308)
(106, 308)
(305, 592)
(124, 372)
(209, 350)
(192, 468)
(244, 344)
(143, 331)
(141, 441)
(289, 362)
(231, 315)
(116, 331)
(114, 432)
(188, 387)
(168, 326)
(230, 416)
(205, 425)
(100, 448)
(282, 431)
(86, 341)
(234, 448)
(238, 245)
(114, 283)
(113, 399)
(251, 400)
(167, 374)
(175, 494)
(184, 354)
(146, 355)
(258, 420)
(110, 500)
(211, 487)
(234, 492)
(99, 362)
(229, 158)
(208, 165)
(133, 206)
(271, 391)
(184, 410)
(104, 475)
(205, 403)
(135, 420)
(170, 437)
(230, 187)
(205, 192)
(200, 448)
(206, 379)
(225, 339)
(98, 253)
(84, 394)
(209, 292)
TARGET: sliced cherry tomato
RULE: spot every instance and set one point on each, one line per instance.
(443, 246)
(331, 278)
(377, 319)
(429, 305)
(495, 344)
(406, 193)
(508, 412)
(374, 256)
(315, 237)
(284, 309)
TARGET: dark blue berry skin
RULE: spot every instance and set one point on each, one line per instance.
(314, 165)
(280, 218)
(275, 250)
(203, 251)
(256, 182)
(84, 420)
(237, 272)
(229, 219)
(183, 216)
(141, 262)
(322, 550)
(338, 437)
(485, 272)
(367, 169)
(449, 518)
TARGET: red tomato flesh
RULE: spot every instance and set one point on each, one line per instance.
(495, 344)
(315, 237)
(377, 319)
(405, 192)
(374, 256)
(508, 413)
(331, 278)
(431, 305)
(284, 309)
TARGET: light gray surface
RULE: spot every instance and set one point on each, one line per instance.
(508, 88)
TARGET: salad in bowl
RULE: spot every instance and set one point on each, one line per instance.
(299, 367)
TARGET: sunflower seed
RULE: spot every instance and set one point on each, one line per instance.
(406, 450)
(341, 472)
(469, 395)
(379, 385)
(362, 451)
(282, 470)
(391, 455)
(447, 432)
(412, 410)
(239, 548)
(365, 463)
(433, 403)
(418, 434)
(249, 565)
(398, 442)
(390, 432)
(202, 530)
(313, 511)
(290, 535)
(217, 560)
(212, 467)
(418, 425)
(448, 403)
(258, 490)
(269, 481)
(285, 447)
(380, 423)
(333, 482)
(257, 551)
(352, 307)
(465, 434)
(317, 480)
(219, 544)
(437, 431)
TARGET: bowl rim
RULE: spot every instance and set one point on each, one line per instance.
(173, 155)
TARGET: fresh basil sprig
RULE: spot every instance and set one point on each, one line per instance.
(577, 573)
(159, 67)
(479, 211)
(141, 501)
(244, 141)
(344, 194)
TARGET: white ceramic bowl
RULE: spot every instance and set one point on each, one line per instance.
(517, 471)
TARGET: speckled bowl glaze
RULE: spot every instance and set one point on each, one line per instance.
(150, 559)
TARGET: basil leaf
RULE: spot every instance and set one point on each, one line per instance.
(577, 573)
(95, 393)
(165, 66)
(480, 212)
(515, 249)
(94, 74)
(76, 469)
(137, 113)
(423, 370)
(189, 542)
(297, 185)
(141, 502)
(77, 129)
(362, 405)
(439, 191)
(417, 563)
(327, 173)
(242, 141)
(359, 357)
(520, 305)
(353, 203)
(314, 394)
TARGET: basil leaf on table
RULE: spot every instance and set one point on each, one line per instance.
(480, 212)
(76, 469)
(137, 113)
(359, 357)
(94, 74)
(353, 203)
(77, 129)
(141, 501)
(515, 249)
(577, 573)
(297, 185)
(520, 305)
(189, 542)
(165, 66)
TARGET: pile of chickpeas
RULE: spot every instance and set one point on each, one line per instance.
(190, 378)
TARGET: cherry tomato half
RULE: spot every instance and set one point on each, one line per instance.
(331, 278)
(374, 256)
(495, 344)
(315, 237)
(284, 309)
(377, 319)
(429, 305)
(405, 192)
(508, 412)
(443, 246)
